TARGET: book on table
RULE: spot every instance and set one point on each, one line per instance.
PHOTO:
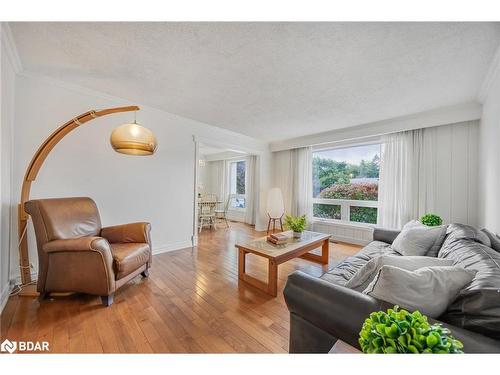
(279, 236)
(274, 241)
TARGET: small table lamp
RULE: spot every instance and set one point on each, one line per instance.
(275, 208)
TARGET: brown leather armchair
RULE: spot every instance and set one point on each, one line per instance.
(75, 254)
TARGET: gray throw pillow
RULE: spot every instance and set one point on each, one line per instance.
(364, 276)
(418, 239)
(429, 290)
(494, 239)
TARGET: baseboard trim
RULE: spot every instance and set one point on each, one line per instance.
(171, 247)
(4, 296)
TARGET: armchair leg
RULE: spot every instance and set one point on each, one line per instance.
(145, 273)
(107, 300)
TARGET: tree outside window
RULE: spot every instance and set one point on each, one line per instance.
(237, 176)
(347, 174)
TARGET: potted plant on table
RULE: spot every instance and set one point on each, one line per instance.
(297, 224)
(398, 331)
(431, 220)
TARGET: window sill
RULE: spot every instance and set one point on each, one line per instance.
(350, 224)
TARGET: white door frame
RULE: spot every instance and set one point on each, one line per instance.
(213, 142)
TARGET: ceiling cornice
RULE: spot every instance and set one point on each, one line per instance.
(10, 48)
(491, 75)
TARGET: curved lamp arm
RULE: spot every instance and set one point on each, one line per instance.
(33, 169)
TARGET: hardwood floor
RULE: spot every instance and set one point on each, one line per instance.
(191, 303)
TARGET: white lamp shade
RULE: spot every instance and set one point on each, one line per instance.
(275, 206)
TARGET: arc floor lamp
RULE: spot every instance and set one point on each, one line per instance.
(130, 138)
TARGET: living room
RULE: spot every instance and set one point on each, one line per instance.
(243, 187)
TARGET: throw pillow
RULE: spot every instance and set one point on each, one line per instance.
(429, 290)
(419, 239)
(365, 275)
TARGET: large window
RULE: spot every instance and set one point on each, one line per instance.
(345, 183)
(237, 184)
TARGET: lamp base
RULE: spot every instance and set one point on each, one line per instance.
(274, 220)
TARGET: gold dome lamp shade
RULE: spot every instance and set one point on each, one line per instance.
(133, 139)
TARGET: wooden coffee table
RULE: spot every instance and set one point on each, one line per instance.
(277, 254)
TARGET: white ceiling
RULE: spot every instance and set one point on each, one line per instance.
(271, 81)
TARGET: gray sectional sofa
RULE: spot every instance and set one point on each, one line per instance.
(323, 310)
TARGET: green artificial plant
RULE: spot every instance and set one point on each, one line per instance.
(295, 223)
(398, 331)
(431, 220)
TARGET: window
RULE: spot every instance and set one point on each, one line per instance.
(345, 183)
(237, 184)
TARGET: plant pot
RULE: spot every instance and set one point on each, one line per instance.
(297, 234)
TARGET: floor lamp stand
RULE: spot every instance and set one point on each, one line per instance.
(273, 220)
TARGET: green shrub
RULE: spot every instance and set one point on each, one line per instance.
(295, 223)
(363, 214)
(431, 220)
(398, 331)
(362, 192)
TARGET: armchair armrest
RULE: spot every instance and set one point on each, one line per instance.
(98, 244)
(322, 312)
(91, 256)
(385, 235)
(133, 232)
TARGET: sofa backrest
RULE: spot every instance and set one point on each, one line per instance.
(477, 307)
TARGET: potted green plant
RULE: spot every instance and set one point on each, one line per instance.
(431, 220)
(297, 224)
(399, 331)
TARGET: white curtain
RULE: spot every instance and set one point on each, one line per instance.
(218, 179)
(292, 170)
(406, 181)
(250, 189)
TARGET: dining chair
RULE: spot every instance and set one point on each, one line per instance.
(221, 215)
(206, 215)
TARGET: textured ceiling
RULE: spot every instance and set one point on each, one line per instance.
(269, 80)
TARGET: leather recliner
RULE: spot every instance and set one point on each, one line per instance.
(75, 254)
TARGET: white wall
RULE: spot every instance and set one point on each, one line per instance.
(454, 192)
(489, 155)
(158, 189)
(7, 118)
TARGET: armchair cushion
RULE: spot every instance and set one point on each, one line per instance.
(128, 257)
(125, 233)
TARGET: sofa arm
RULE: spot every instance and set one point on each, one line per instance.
(133, 232)
(336, 310)
(385, 235)
(323, 312)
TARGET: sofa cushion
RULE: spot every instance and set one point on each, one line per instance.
(477, 306)
(128, 257)
(367, 273)
(494, 239)
(429, 289)
(419, 239)
(462, 231)
(349, 266)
